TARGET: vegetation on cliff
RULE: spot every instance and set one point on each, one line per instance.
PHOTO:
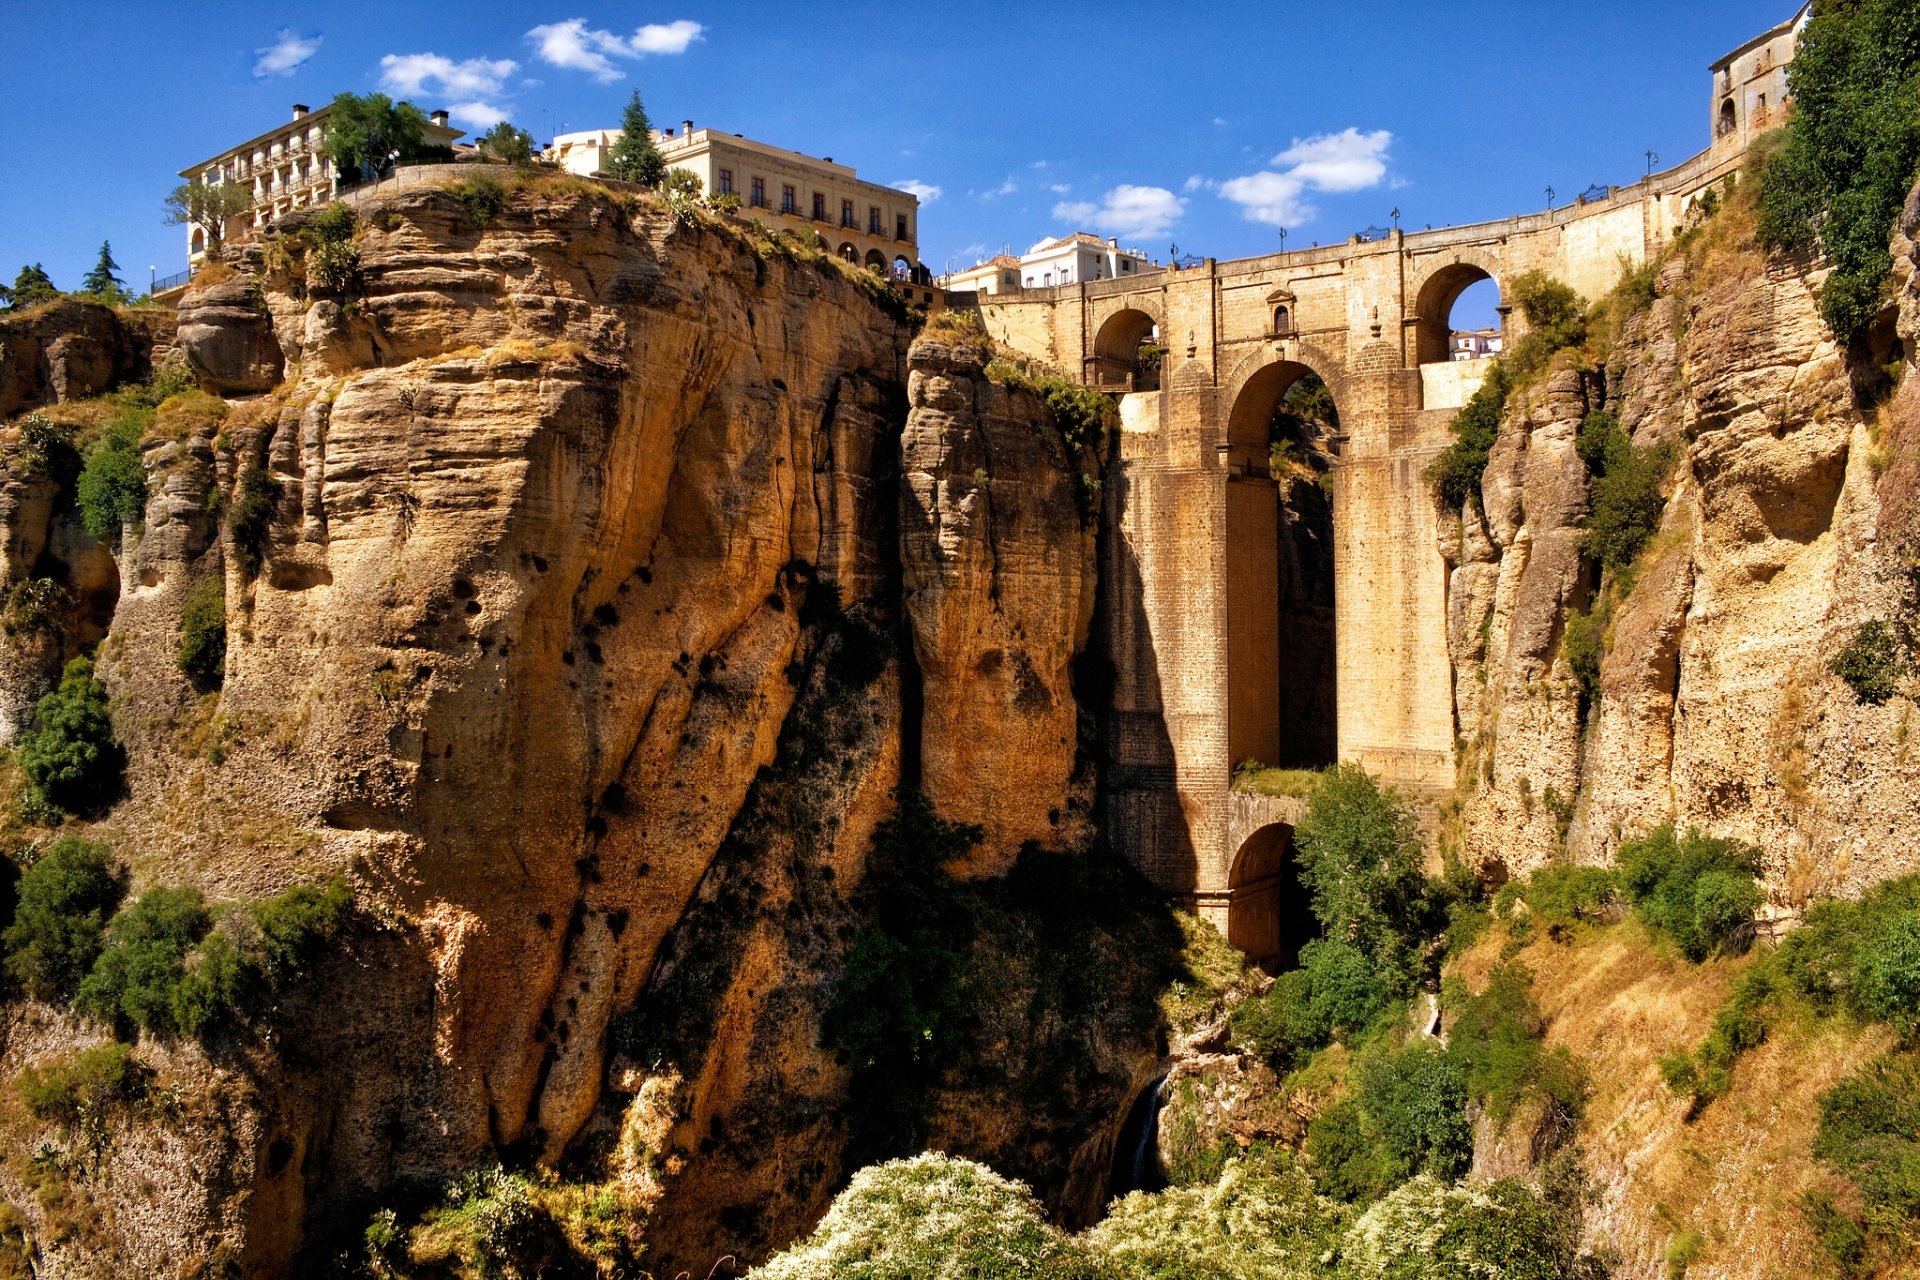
(1850, 154)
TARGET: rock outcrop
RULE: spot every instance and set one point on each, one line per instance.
(1716, 704)
(74, 348)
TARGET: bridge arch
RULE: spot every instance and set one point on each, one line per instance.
(1433, 303)
(1115, 359)
(1269, 913)
(1279, 565)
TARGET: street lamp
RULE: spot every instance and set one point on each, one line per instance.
(1283, 240)
(1549, 197)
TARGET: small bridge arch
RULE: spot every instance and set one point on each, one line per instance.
(1269, 914)
(1436, 290)
(1115, 361)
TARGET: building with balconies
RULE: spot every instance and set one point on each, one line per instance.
(284, 169)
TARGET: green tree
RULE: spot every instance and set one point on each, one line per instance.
(506, 144)
(367, 136)
(1360, 858)
(101, 282)
(634, 157)
(65, 899)
(138, 974)
(32, 287)
(207, 206)
(69, 756)
(112, 486)
(1698, 890)
(1851, 151)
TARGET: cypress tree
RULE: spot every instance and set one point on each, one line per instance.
(101, 281)
(33, 285)
(635, 158)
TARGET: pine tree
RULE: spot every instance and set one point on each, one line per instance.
(32, 286)
(101, 282)
(635, 158)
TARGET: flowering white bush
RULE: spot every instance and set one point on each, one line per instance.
(1261, 1221)
(933, 1217)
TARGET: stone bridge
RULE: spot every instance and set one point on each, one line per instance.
(1229, 641)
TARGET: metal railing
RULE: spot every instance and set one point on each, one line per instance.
(173, 281)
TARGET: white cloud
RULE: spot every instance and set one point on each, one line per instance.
(284, 56)
(925, 191)
(1038, 164)
(1346, 161)
(1006, 188)
(418, 73)
(1058, 188)
(1196, 182)
(1127, 210)
(577, 47)
(477, 115)
(665, 37)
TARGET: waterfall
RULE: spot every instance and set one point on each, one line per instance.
(1135, 1163)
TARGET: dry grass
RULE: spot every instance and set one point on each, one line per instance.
(1620, 1002)
(1277, 782)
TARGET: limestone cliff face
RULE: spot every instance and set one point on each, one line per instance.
(568, 607)
(1716, 705)
(1000, 585)
(73, 348)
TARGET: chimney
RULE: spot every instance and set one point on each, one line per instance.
(686, 126)
(439, 118)
(828, 159)
(299, 110)
(1112, 242)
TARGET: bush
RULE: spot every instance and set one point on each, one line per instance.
(1873, 663)
(1348, 1163)
(203, 632)
(1698, 891)
(1851, 152)
(46, 449)
(1456, 473)
(251, 518)
(1335, 992)
(1556, 319)
(1414, 1104)
(1496, 1039)
(1559, 898)
(35, 606)
(76, 1091)
(139, 974)
(1870, 1132)
(65, 899)
(69, 756)
(932, 1217)
(1626, 481)
(294, 926)
(1263, 1219)
(112, 487)
(1359, 856)
(482, 197)
(1583, 643)
(1425, 1230)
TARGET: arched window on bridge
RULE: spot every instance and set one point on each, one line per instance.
(1728, 120)
(1283, 433)
(902, 269)
(1282, 319)
(1460, 316)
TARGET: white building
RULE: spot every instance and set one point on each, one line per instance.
(1750, 84)
(1473, 344)
(998, 274)
(1078, 258)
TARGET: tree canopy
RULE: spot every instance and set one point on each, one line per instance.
(634, 157)
(506, 144)
(30, 287)
(367, 136)
(1851, 151)
(101, 281)
(207, 206)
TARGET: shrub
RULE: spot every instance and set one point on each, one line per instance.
(1870, 1132)
(1556, 319)
(1359, 856)
(203, 632)
(482, 197)
(1457, 472)
(1496, 1039)
(931, 1217)
(1335, 992)
(1583, 644)
(1426, 1230)
(1414, 1103)
(69, 756)
(35, 606)
(138, 975)
(1851, 151)
(1626, 490)
(65, 899)
(1873, 663)
(1349, 1164)
(1561, 897)
(295, 925)
(73, 1092)
(46, 449)
(1263, 1219)
(112, 486)
(1699, 891)
(251, 518)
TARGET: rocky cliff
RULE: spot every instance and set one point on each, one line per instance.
(1784, 529)
(592, 575)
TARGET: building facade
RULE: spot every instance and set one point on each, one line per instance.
(1073, 259)
(1475, 344)
(1750, 84)
(998, 274)
(284, 169)
(863, 222)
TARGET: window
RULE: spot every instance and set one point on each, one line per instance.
(846, 213)
(787, 204)
(873, 220)
(759, 200)
(819, 207)
(726, 182)
(899, 226)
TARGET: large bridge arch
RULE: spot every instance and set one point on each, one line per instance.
(1251, 390)
(1114, 352)
(1269, 912)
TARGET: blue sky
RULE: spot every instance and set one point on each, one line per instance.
(1209, 125)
